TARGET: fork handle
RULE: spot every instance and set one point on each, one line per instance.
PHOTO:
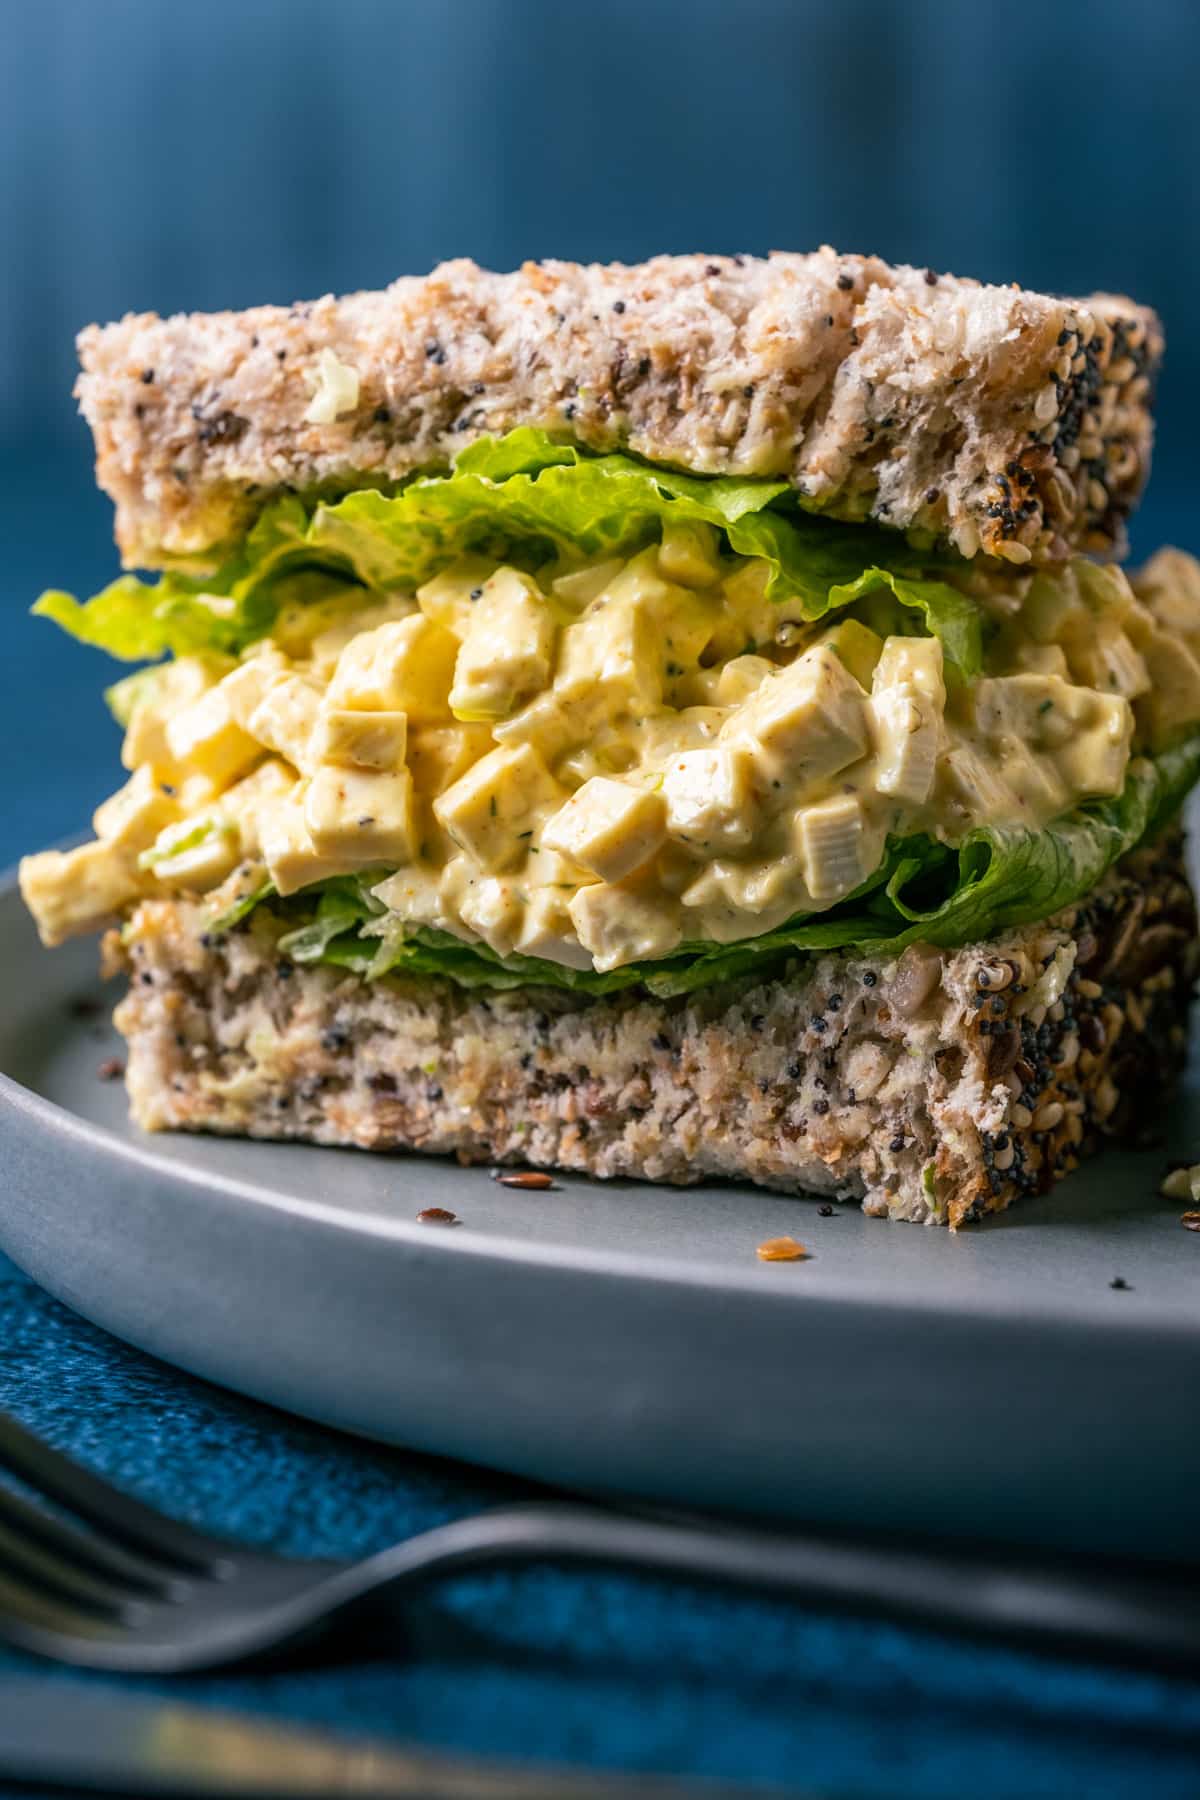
(1101, 1610)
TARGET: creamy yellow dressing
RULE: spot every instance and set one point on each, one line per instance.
(598, 765)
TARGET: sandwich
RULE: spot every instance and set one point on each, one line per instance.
(681, 721)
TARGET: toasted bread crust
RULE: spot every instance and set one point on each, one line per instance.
(990, 417)
(936, 1087)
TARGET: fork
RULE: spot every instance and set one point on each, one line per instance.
(90, 1576)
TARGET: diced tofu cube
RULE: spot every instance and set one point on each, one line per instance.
(507, 650)
(253, 799)
(710, 801)
(579, 587)
(741, 677)
(136, 813)
(550, 724)
(1072, 732)
(914, 662)
(1052, 607)
(206, 739)
(908, 699)
(493, 810)
(292, 859)
(413, 894)
(404, 666)
(730, 900)
(1172, 702)
(1039, 659)
(451, 597)
(246, 685)
(339, 625)
(547, 930)
(1106, 660)
(196, 854)
(609, 827)
(1007, 705)
(619, 925)
(285, 718)
(489, 906)
(610, 660)
(196, 792)
(547, 869)
(361, 740)
(1169, 589)
(1034, 782)
(439, 754)
(837, 848)
(977, 783)
(681, 623)
(1095, 757)
(75, 891)
(689, 553)
(805, 723)
(167, 689)
(857, 646)
(754, 619)
(365, 814)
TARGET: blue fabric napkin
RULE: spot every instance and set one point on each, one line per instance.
(623, 1672)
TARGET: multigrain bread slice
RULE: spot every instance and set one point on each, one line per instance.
(936, 1087)
(989, 417)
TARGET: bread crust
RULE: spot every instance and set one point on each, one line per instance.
(992, 418)
(936, 1087)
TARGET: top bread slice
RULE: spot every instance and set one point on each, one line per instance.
(989, 418)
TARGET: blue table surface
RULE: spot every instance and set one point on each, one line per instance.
(623, 1672)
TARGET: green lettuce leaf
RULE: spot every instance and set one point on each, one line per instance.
(526, 499)
(139, 621)
(926, 892)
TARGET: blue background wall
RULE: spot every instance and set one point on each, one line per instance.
(155, 153)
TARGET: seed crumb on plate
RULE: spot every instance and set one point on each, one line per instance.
(781, 1249)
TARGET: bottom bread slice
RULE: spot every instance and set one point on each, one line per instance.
(936, 1086)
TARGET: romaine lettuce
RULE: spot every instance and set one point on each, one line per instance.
(523, 498)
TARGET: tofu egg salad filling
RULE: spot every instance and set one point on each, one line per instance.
(571, 719)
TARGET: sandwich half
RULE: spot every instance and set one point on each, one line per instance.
(669, 722)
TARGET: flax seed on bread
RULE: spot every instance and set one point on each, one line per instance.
(992, 418)
(936, 1087)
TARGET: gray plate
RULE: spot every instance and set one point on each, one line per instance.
(620, 1336)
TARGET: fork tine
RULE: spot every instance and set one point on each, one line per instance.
(23, 1560)
(75, 1546)
(115, 1515)
(26, 1615)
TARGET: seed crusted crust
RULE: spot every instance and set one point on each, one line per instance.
(936, 1087)
(993, 418)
